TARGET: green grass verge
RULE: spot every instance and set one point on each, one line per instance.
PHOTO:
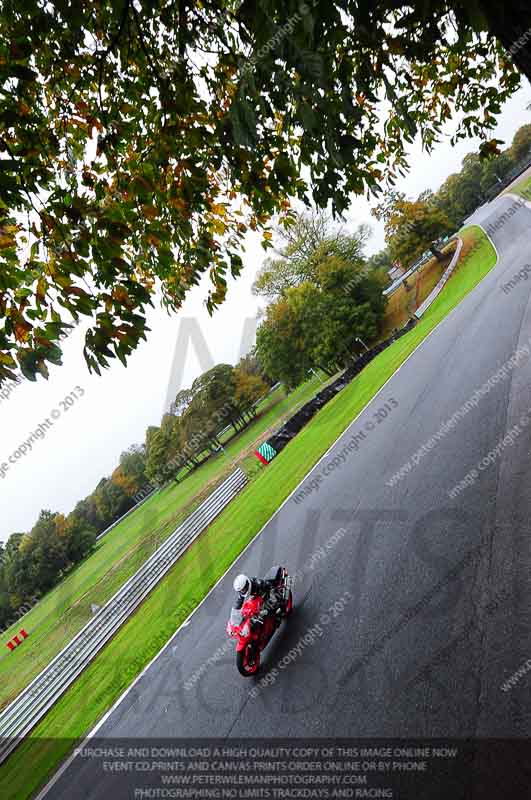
(201, 566)
(59, 615)
(523, 188)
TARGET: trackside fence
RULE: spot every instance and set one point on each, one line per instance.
(21, 716)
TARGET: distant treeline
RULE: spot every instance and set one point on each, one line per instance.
(412, 225)
(32, 563)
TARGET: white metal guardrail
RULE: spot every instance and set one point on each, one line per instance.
(18, 719)
(438, 288)
(424, 258)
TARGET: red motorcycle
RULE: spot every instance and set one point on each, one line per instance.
(254, 633)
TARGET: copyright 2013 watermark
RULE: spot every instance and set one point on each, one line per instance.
(39, 433)
(308, 639)
(350, 445)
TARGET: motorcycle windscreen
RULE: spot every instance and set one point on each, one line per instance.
(236, 616)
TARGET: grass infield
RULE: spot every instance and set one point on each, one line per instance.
(521, 187)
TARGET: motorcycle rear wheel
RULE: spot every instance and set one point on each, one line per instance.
(248, 661)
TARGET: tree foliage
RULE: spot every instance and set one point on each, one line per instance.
(141, 140)
(302, 248)
(220, 397)
(379, 265)
(412, 225)
(250, 365)
(521, 145)
(331, 300)
(33, 563)
(157, 456)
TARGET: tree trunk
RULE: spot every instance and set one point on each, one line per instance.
(510, 24)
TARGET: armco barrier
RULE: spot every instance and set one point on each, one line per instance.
(18, 719)
(424, 258)
(437, 289)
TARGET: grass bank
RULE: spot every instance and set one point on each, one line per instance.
(521, 187)
(407, 298)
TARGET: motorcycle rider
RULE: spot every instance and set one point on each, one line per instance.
(251, 587)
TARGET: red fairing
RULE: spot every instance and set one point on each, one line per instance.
(252, 631)
(252, 606)
(244, 633)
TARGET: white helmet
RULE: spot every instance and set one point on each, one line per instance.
(241, 584)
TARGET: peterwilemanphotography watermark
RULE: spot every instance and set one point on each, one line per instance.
(319, 555)
(521, 354)
(507, 440)
(503, 218)
(520, 42)
(517, 676)
(216, 656)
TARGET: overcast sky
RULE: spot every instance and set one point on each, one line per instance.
(85, 440)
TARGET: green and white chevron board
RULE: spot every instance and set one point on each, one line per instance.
(265, 453)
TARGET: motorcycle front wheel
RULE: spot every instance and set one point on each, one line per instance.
(248, 661)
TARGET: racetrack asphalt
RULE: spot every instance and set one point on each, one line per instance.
(423, 603)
